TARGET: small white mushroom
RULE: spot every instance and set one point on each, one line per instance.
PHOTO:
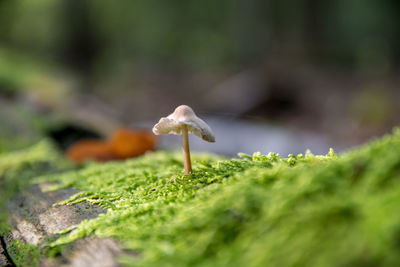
(183, 121)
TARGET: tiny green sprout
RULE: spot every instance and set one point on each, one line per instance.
(184, 121)
(300, 156)
(273, 157)
(332, 153)
(291, 160)
(309, 154)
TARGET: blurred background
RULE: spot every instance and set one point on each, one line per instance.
(268, 75)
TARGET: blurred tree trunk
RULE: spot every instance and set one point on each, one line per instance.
(80, 47)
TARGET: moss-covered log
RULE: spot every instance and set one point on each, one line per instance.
(257, 210)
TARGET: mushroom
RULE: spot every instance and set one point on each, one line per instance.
(183, 121)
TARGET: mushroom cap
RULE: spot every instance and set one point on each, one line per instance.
(184, 116)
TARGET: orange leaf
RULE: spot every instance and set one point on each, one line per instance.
(127, 143)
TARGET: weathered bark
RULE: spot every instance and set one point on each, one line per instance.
(33, 218)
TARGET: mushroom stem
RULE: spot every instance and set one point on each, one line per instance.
(185, 150)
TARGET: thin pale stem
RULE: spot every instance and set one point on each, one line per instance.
(185, 150)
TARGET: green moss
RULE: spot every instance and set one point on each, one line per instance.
(24, 254)
(256, 210)
(259, 210)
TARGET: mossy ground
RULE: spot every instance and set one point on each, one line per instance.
(259, 210)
